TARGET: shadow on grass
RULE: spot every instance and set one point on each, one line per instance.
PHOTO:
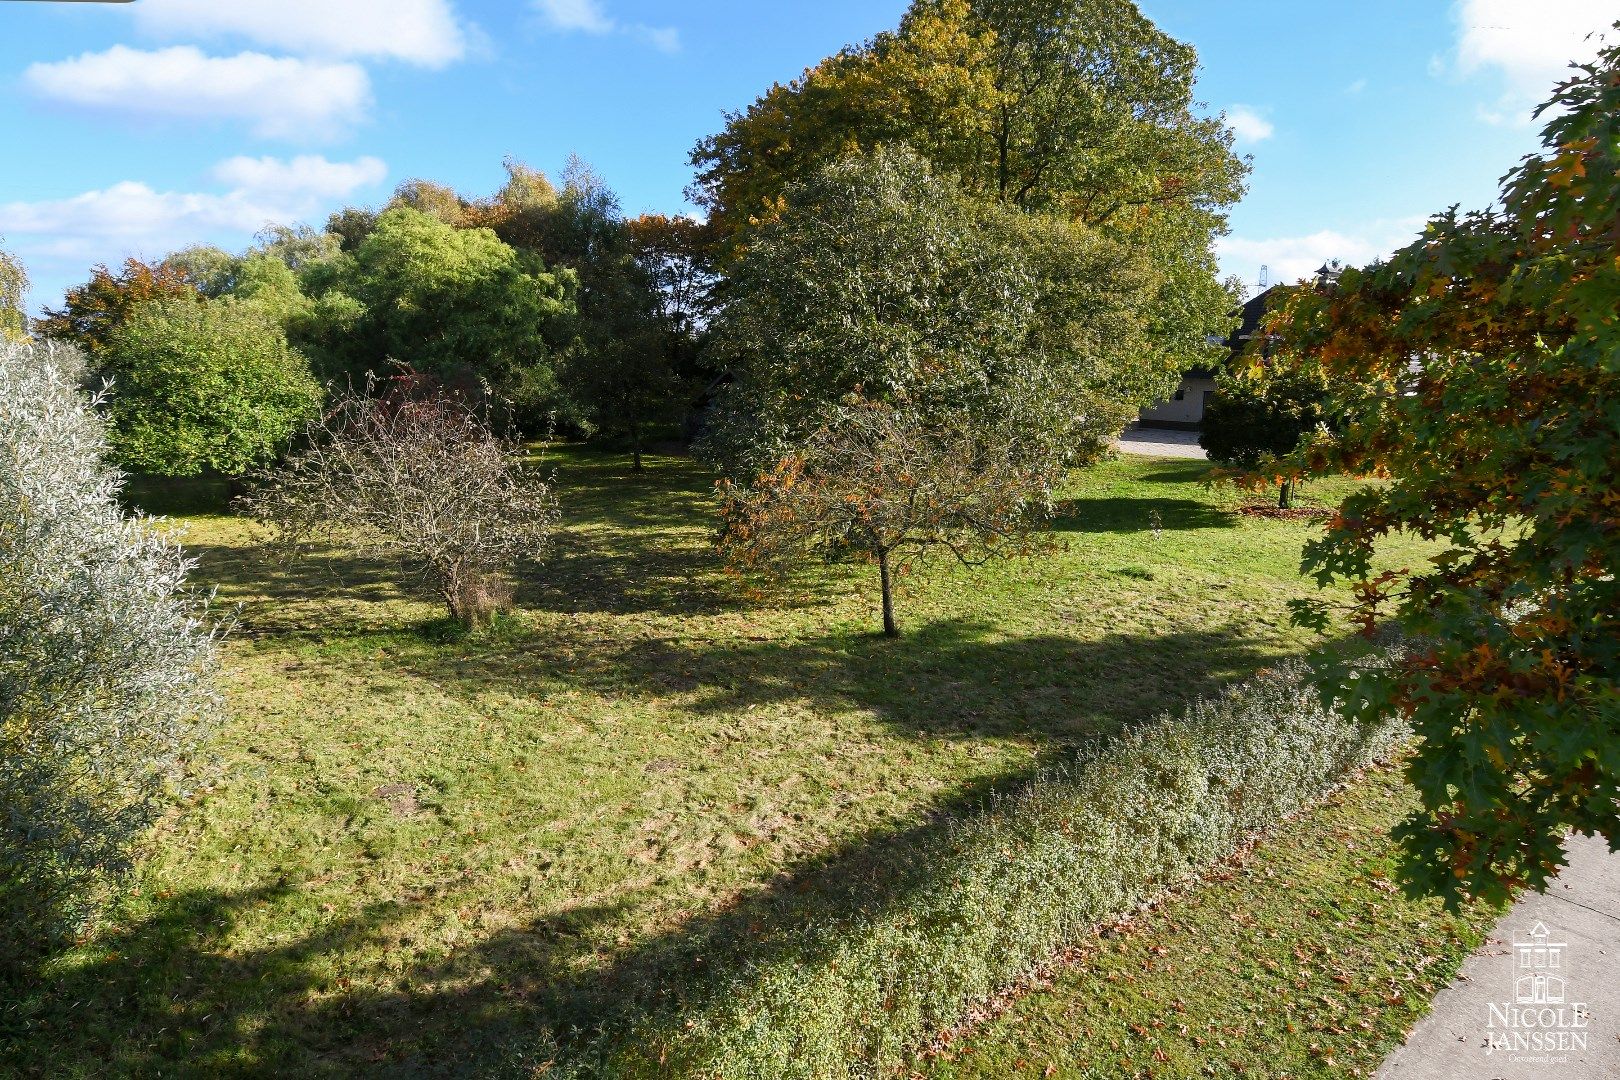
(629, 543)
(1177, 472)
(955, 679)
(178, 496)
(171, 997)
(176, 994)
(1138, 515)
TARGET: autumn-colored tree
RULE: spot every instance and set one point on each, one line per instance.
(1479, 371)
(1082, 105)
(523, 212)
(879, 484)
(1079, 108)
(433, 199)
(91, 314)
(674, 254)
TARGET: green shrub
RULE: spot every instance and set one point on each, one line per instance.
(205, 388)
(1000, 890)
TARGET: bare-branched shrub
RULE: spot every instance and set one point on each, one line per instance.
(878, 483)
(421, 480)
(105, 660)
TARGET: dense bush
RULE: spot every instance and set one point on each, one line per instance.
(1263, 414)
(104, 661)
(209, 386)
(913, 949)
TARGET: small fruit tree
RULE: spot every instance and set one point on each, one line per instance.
(419, 478)
(876, 483)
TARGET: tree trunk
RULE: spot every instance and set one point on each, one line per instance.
(1285, 497)
(635, 447)
(890, 627)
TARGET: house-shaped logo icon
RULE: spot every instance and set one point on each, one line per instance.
(1540, 981)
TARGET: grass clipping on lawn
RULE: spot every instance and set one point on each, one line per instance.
(915, 946)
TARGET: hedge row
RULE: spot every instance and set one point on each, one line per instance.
(1004, 887)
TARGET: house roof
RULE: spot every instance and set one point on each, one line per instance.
(1249, 316)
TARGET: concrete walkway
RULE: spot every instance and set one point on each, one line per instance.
(1160, 442)
(1542, 997)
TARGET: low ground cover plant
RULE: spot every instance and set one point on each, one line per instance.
(999, 890)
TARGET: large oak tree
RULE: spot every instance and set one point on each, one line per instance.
(1080, 108)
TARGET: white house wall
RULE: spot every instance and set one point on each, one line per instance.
(1186, 409)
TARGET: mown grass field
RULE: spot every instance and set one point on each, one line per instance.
(417, 854)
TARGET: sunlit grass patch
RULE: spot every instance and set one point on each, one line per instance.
(424, 847)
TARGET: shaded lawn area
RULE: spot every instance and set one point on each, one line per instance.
(1299, 959)
(418, 853)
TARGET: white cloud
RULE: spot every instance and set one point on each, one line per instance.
(1247, 123)
(281, 97)
(423, 32)
(1529, 46)
(1290, 258)
(663, 38)
(583, 15)
(590, 17)
(130, 217)
(306, 176)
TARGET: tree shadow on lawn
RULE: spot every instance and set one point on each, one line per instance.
(1138, 515)
(320, 591)
(170, 997)
(1188, 471)
(952, 678)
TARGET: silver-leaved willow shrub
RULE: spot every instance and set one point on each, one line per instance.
(106, 657)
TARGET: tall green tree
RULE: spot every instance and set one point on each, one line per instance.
(621, 367)
(1479, 370)
(204, 387)
(884, 282)
(460, 304)
(1080, 108)
(618, 373)
(912, 370)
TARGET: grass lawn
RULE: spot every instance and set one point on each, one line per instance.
(1298, 959)
(418, 851)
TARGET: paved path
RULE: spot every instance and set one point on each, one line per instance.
(1549, 1030)
(1160, 442)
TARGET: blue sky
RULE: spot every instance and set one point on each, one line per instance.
(139, 128)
